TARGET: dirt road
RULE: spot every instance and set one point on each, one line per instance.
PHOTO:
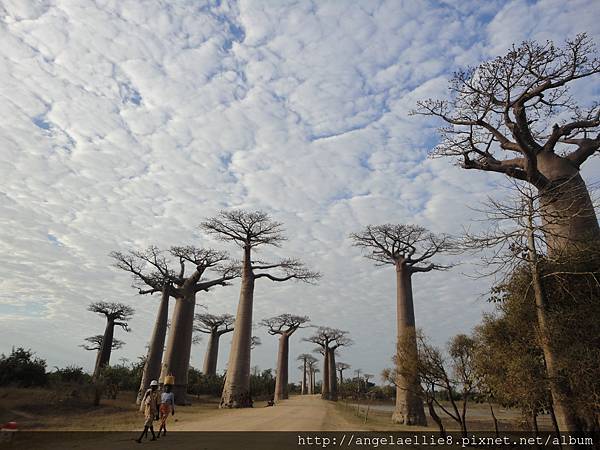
(300, 413)
(220, 430)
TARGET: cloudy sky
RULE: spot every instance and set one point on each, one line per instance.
(125, 123)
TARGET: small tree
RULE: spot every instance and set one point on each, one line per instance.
(409, 248)
(283, 326)
(249, 230)
(215, 326)
(306, 376)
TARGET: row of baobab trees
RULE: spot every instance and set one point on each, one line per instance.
(153, 271)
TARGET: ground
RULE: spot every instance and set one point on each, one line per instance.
(120, 422)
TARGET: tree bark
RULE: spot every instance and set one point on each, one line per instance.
(325, 383)
(566, 415)
(311, 382)
(567, 209)
(179, 345)
(236, 391)
(341, 378)
(152, 367)
(333, 393)
(409, 405)
(212, 354)
(105, 351)
(281, 381)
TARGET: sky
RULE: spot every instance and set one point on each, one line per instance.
(126, 123)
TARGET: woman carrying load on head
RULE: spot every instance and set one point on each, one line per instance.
(167, 404)
(149, 406)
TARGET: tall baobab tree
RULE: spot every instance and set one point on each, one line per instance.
(179, 343)
(215, 326)
(250, 230)
(340, 367)
(149, 282)
(117, 315)
(340, 340)
(283, 326)
(153, 271)
(328, 340)
(310, 367)
(513, 115)
(94, 343)
(409, 248)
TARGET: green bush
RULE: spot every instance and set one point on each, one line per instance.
(22, 369)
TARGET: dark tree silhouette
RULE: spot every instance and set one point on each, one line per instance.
(514, 115)
(250, 230)
(283, 326)
(116, 314)
(409, 248)
(215, 326)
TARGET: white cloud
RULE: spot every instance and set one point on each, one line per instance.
(125, 123)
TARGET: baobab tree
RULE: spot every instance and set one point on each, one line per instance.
(117, 315)
(513, 115)
(250, 230)
(328, 340)
(94, 343)
(409, 248)
(179, 343)
(149, 282)
(153, 271)
(310, 372)
(305, 358)
(341, 340)
(340, 367)
(283, 326)
(215, 326)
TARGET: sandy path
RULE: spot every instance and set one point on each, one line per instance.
(299, 413)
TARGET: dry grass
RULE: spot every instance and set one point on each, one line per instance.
(478, 419)
(45, 409)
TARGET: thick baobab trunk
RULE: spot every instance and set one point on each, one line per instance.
(281, 381)
(325, 392)
(333, 389)
(341, 376)
(303, 391)
(409, 404)
(212, 354)
(105, 350)
(236, 391)
(152, 367)
(311, 382)
(179, 346)
(567, 209)
(566, 414)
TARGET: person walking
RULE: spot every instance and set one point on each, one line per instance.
(149, 406)
(167, 404)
